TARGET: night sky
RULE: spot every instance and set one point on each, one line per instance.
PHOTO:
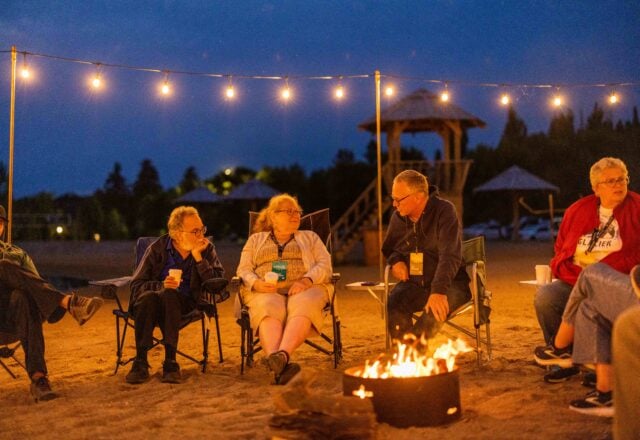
(68, 136)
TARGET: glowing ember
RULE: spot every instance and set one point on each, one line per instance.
(409, 360)
(362, 392)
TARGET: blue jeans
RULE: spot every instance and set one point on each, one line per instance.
(600, 295)
(408, 298)
(549, 303)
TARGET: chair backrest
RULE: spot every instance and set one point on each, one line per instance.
(473, 253)
(317, 221)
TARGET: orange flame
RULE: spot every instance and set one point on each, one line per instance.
(409, 361)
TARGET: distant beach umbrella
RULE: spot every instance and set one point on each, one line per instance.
(516, 180)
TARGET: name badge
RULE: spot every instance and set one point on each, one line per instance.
(415, 263)
(280, 267)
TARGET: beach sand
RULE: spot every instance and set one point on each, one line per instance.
(504, 399)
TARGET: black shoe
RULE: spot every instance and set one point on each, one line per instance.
(550, 355)
(277, 362)
(83, 308)
(557, 374)
(139, 372)
(589, 380)
(171, 372)
(595, 403)
(288, 373)
(41, 390)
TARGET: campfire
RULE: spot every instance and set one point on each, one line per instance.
(410, 387)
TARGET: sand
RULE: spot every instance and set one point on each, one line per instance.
(505, 399)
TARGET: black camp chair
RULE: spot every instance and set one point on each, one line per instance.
(9, 343)
(319, 223)
(213, 292)
(474, 258)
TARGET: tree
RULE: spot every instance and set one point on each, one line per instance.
(148, 181)
(189, 182)
(514, 133)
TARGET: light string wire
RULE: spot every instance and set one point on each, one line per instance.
(332, 77)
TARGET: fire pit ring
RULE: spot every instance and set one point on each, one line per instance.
(408, 401)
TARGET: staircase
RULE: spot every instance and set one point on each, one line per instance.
(347, 231)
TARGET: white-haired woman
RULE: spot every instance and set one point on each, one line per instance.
(597, 246)
(287, 312)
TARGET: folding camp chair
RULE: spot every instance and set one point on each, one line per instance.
(8, 345)
(213, 291)
(319, 223)
(474, 258)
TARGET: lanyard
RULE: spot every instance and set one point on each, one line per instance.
(597, 234)
(280, 246)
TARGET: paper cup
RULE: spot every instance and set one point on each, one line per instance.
(543, 274)
(271, 277)
(176, 274)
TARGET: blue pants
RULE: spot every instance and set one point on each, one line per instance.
(600, 295)
(549, 303)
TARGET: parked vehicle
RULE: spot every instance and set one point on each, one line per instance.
(541, 231)
(491, 230)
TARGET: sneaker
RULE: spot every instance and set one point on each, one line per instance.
(171, 372)
(277, 362)
(288, 373)
(557, 374)
(635, 279)
(139, 372)
(550, 355)
(83, 308)
(41, 390)
(595, 403)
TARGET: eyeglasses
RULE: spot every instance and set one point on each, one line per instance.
(613, 182)
(398, 201)
(197, 232)
(291, 212)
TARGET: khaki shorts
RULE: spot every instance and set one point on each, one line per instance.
(308, 303)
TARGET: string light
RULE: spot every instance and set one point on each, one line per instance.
(96, 81)
(230, 91)
(389, 91)
(505, 99)
(286, 93)
(444, 96)
(24, 71)
(614, 98)
(165, 89)
(557, 101)
(339, 92)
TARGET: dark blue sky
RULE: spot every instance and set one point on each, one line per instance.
(68, 137)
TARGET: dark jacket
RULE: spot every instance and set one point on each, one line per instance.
(436, 234)
(147, 274)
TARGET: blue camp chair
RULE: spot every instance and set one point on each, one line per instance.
(213, 291)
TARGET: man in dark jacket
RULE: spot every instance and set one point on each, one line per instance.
(160, 296)
(26, 301)
(423, 245)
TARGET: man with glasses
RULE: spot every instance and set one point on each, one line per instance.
(423, 246)
(160, 297)
(598, 241)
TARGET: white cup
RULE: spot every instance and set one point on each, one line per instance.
(271, 277)
(543, 274)
(176, 274)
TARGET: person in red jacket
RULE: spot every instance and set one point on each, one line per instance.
(602, 227)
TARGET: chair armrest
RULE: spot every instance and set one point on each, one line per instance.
(213, 290)
(109, 287)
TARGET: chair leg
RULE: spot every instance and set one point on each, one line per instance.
(7, 369)
(218, 336)
(488, 332)
(243, 348)
(120, 342)
(205, 343)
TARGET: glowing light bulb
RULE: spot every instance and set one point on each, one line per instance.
(557, 101)
(444, 96)
(286, 93)
(230, 93)
(96, 82)
(339, 92)
(388, 91)
(165, 89)
(505, 99)
(25, 73)
(613, 99)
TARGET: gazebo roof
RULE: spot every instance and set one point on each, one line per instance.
(199, 195)
(252, 190)
(424, 111)
(516, 179)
